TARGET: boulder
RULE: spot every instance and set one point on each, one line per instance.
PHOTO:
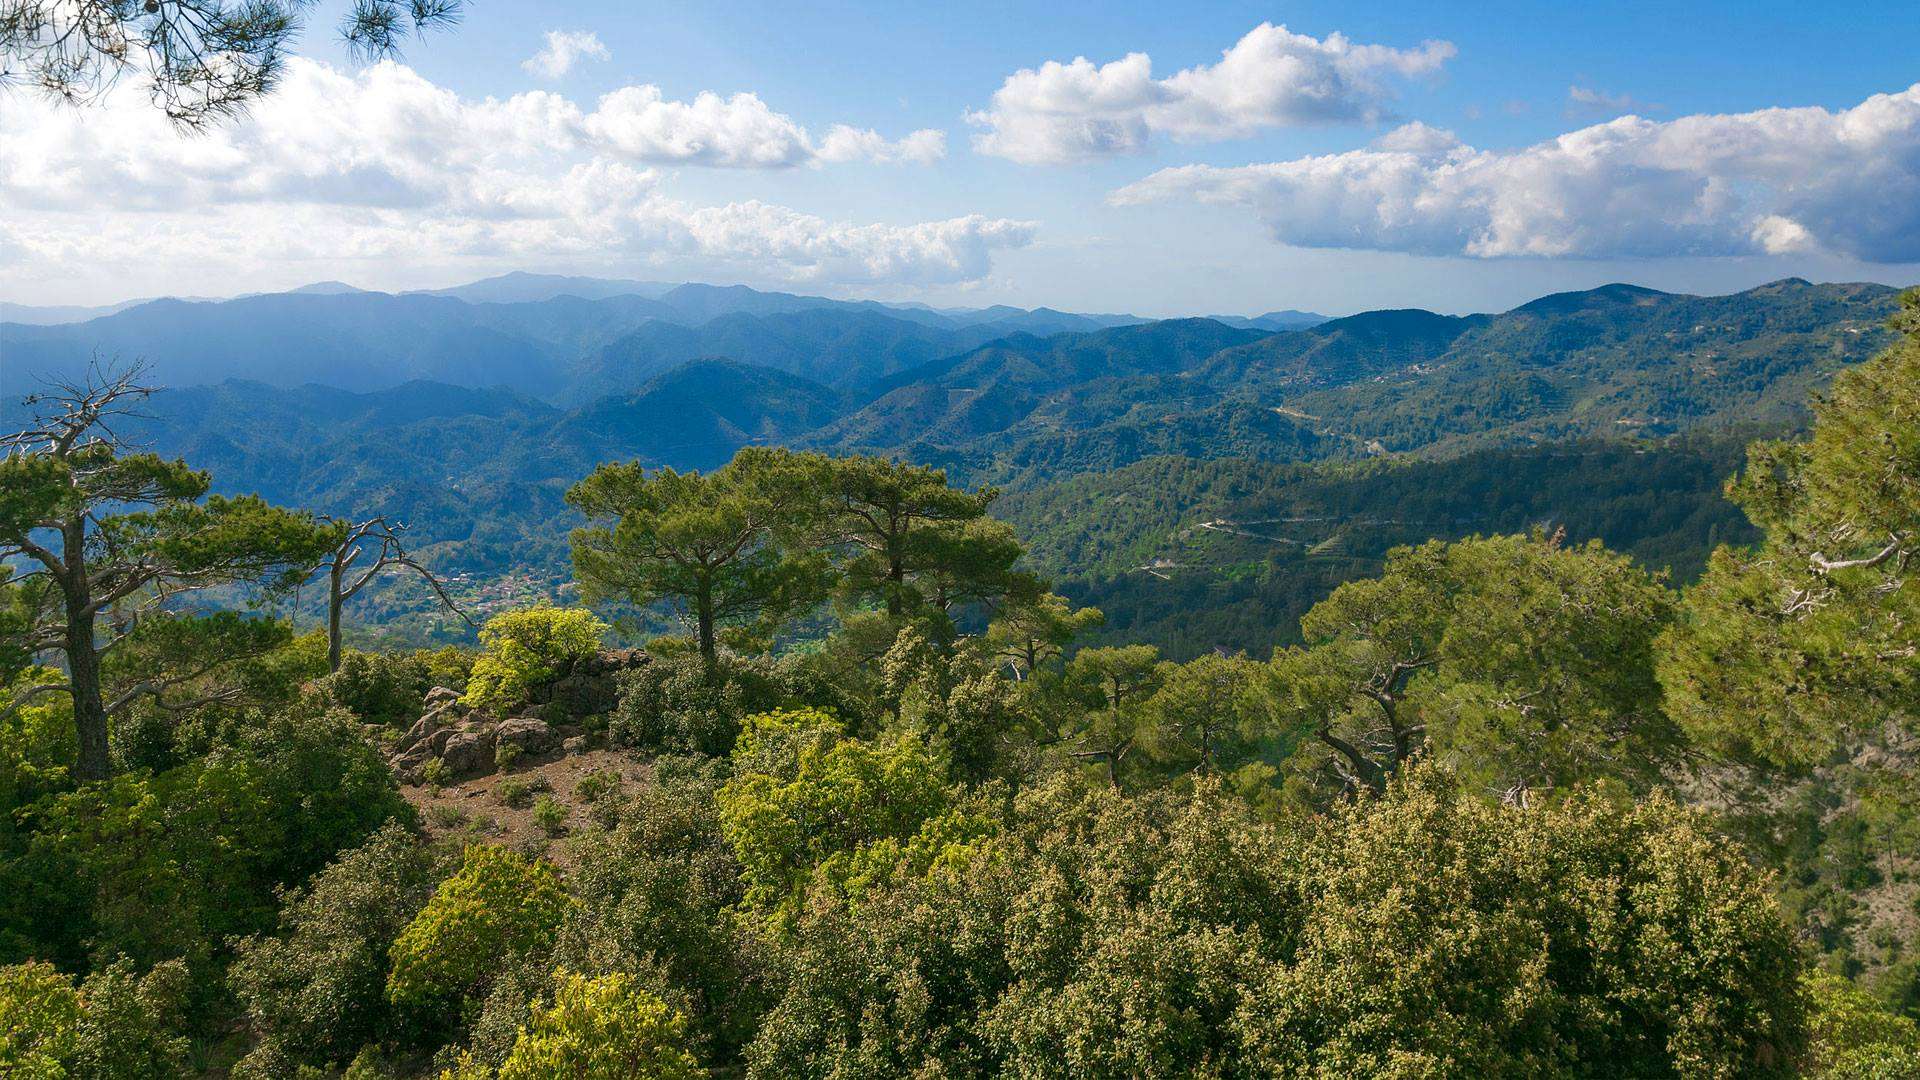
(532, 736)
(435, 720)
(584, 694)
(441, 696)
(468, 752)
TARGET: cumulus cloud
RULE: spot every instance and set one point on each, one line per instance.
(383, 164)
(1766, 182)
(563, 50)
(1061, 113)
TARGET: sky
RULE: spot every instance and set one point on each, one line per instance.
(1147, 158)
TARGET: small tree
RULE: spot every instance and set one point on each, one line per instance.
(905, 523)
(116, 536)
(1037, 629)
(607, 1028)
(724, 548)
(522, 649)
(1527, 663)
(1207, 714)
(383, 539)
(497, 910)
(1110, 686)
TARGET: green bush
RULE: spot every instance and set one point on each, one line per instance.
(113, 1026)
(521, 649)
(550, 814)
(380, 688)
(1423, 933)
(676, 705)
(605, 1028)
(497, 909)
(314, 992)
(597, 785)
(802, 792)
(169, 865)
(518, 792)
(1855, 1037)
(655, 887)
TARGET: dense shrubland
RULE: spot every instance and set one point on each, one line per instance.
(1514, 806)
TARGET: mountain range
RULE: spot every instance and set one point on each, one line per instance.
(470, 415)
(563, 339)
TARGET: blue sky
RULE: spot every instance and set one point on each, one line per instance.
(1465, 221)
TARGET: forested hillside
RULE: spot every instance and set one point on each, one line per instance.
(1510, 803)
(1193, 555)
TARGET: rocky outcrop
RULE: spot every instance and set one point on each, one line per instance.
(467, 741)
(531, 735)
(592, 686)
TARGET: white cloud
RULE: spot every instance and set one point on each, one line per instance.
(1060, 113)
(1765, 182)
(383, 165)
(1587, 99)
(843, 143)
(564, 49)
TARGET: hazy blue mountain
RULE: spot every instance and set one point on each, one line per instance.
(1273, 320)
(353, 340)
(999, 384)
(1617, 360)
(536, 333)
(521, 287)
(843, 346)
(56, 314)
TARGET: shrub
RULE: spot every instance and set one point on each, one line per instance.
(607, 1028)
(518, 792)
(676, 705)
(380, 688)
(1855, 1037)
(597, 785)
(521, 649)
(802, 792)
(505, 754)
(499, 908)
(114, 1026)
(449, 666)
(550, 814)
(655, 886)
(39, 1019)
(314, 992)
(436, 773)
(1425, 932)
(169, 865)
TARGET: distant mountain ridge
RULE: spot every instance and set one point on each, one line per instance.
(480, 470)
(546, 335)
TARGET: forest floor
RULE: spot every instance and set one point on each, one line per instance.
(500, 808)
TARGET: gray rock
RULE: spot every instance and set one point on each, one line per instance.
(582, 694)
(441, 696)
(468, 752)
(435, 720)
(529, 734)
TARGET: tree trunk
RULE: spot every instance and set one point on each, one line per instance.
(896, 585)
(83, 657)
(709, 652)
(89, 708)
(334, 603)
